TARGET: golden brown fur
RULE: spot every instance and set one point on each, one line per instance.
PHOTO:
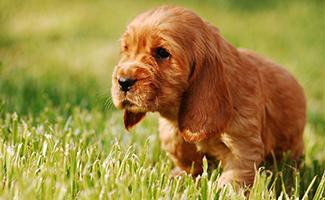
(213, 99)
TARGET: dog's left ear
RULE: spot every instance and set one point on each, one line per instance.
(206, 107)
(131, 119)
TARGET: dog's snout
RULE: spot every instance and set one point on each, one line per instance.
(126, 83)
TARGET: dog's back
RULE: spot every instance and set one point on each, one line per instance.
(285, 107)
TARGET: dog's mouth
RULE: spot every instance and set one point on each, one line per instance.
(134, 101)
(131, 106)
(127, 104)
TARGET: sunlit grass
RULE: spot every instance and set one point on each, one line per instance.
(88, 155)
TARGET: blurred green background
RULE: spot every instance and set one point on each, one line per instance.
(62, 52)
(56, 59)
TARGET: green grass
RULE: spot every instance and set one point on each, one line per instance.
(60, 137)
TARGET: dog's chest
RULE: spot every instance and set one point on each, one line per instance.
(170, 138)
(213, 146)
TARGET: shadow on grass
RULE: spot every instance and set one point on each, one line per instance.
(25, 93)
(293, 178)
(287, 177)
(250, 6)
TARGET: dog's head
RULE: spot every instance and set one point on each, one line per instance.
(170, 64)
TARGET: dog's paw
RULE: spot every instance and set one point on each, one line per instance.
(226, 178)
(177, 172)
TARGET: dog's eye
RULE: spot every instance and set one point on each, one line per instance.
(125, 47)
(161, 53)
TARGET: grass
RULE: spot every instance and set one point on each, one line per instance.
(60, 138)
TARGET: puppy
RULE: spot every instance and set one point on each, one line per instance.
(214, 100)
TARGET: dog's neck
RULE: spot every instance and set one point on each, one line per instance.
(171, 109)
(170, 114)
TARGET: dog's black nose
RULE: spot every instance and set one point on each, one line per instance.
(126, 83)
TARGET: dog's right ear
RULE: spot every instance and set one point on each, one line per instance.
(131, 119)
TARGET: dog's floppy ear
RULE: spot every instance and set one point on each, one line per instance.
(206, 107)
(131, 119)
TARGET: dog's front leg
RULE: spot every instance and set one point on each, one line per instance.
(184, 155)
(240, 162)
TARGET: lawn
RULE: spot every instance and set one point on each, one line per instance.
(61, 137)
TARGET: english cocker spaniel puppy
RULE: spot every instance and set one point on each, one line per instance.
(214, 100)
